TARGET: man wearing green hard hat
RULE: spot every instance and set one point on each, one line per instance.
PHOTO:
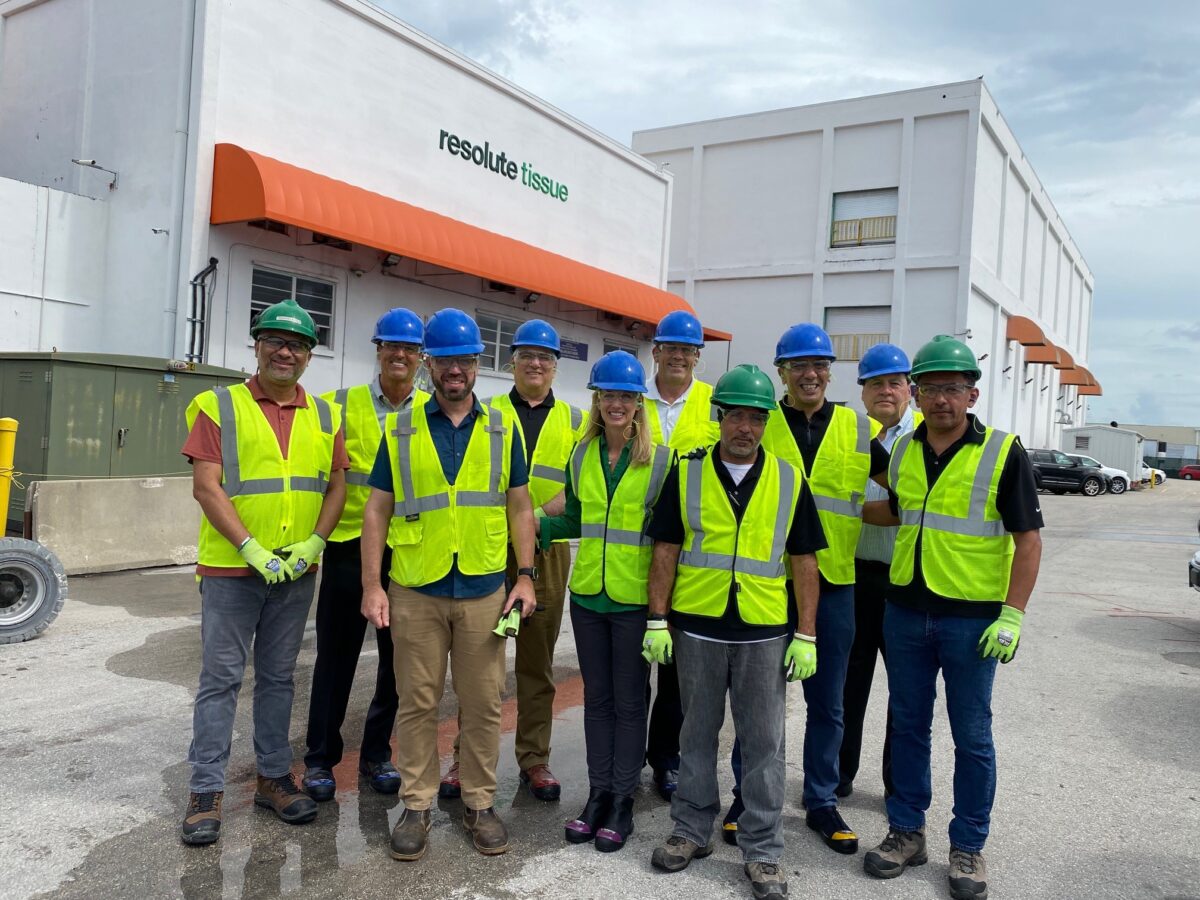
(732, 522)
(268, 470)
(966, 558)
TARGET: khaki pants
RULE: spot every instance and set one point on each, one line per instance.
(426, 630)
(535, 655)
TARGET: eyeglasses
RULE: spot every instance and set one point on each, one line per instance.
(533, 356)
(445, 363)
(678, 349)
(952, 391)
(613, 396)
(746, 417)
(805, 365)
(398, 347)
(275, 344)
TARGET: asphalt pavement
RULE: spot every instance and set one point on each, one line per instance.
(1097, 727)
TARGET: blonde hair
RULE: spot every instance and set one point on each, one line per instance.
(642, 449)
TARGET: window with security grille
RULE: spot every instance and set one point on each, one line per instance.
(497, 334)
(854, 329)
(864, 218)
(270, 286)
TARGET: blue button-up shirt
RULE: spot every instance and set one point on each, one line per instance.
(451, 441)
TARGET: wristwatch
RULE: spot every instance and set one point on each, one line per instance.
(531, 571)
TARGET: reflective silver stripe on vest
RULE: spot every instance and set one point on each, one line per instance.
(613, 535)
(495, 430)
(558, 476)
(976, 523)
(360, 479)
(404, 432)
(851, 507)
(231, 464)
(577, 463)
(342, 399)
(576, 418)
(420, 505)
(658, 474)
(863, 442)
(693, 515)
(898, 449)
(417, 505)
(783, 519)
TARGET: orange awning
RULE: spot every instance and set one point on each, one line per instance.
(1047, 355)
(1090, 390)
(250, 186)
(1024, 331)
(1078, 376)
(1065, 360)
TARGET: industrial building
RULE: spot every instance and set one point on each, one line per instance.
(892, 217)
(169, 167)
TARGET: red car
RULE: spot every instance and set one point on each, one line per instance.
(1189, 472)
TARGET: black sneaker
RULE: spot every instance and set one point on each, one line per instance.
(834, 831)
(729, 826)
(382, 776)
(202, 822)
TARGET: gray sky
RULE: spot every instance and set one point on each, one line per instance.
(1103, 96)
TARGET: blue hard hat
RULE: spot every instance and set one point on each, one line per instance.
(618, 370)
(883, 359)
(451, 332)
(804, 340)
(401, 325)
(679, 327)
(536, 333)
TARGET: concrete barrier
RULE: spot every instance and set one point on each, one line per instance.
(110, 524)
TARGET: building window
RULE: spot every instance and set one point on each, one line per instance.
(1082, 441)
(853, 329)
(497, 340)
(864, 217)
(268, 286)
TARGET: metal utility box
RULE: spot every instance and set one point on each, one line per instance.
(90, 415)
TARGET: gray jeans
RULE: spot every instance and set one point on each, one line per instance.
(235, 612)
(754, 677)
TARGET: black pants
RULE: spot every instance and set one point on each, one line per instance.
(871, 585)
(340, 630)
(666, 718)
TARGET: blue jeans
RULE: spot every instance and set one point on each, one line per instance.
(233, 613)
(918, 644)
(753, 675)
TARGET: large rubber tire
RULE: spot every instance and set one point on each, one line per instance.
(1187, 476)
(1118, 486)
(1092, 486)
(33, 589)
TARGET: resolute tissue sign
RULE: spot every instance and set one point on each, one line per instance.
(483, 155)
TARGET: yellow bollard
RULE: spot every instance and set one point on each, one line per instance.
(8, 446)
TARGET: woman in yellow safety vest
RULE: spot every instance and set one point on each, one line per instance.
(613, 479)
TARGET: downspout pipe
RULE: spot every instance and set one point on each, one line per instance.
(197, 321)
(179, 159)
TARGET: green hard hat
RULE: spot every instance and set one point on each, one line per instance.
(945, 354)
(745, 385)
(286, 316)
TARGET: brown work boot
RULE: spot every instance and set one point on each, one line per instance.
(487, 831)
(677, 852)
(541, 781)
(968, 875)
(767, 881)
(451, 787)
(202, 822)
(289, 802)
(899, 850)
(410, 837)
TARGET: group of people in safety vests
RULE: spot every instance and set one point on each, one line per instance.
(725, 535)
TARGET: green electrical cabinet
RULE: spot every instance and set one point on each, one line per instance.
(98, 415)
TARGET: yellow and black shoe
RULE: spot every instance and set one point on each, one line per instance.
(829, 824)
(729, 827)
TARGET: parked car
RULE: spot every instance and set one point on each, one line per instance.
(1189, 472)
(1194, 567)
(1158, 474)
(1117, 479)
(1056, 472)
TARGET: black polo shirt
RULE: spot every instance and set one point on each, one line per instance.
(532, 418)
(1016, 501)
(804, 536)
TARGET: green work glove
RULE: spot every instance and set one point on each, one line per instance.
(301, 556)
(657, 646)
(263, 561)
(1002, 636)
(800, 660)
(509, 625)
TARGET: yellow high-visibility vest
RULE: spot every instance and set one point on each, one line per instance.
(697, 424)
(966, 553)
(277, 499)
(614, 551)
(548, 462)
(363, 413)
(433, 520)
(717, 550)
(838, 476)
